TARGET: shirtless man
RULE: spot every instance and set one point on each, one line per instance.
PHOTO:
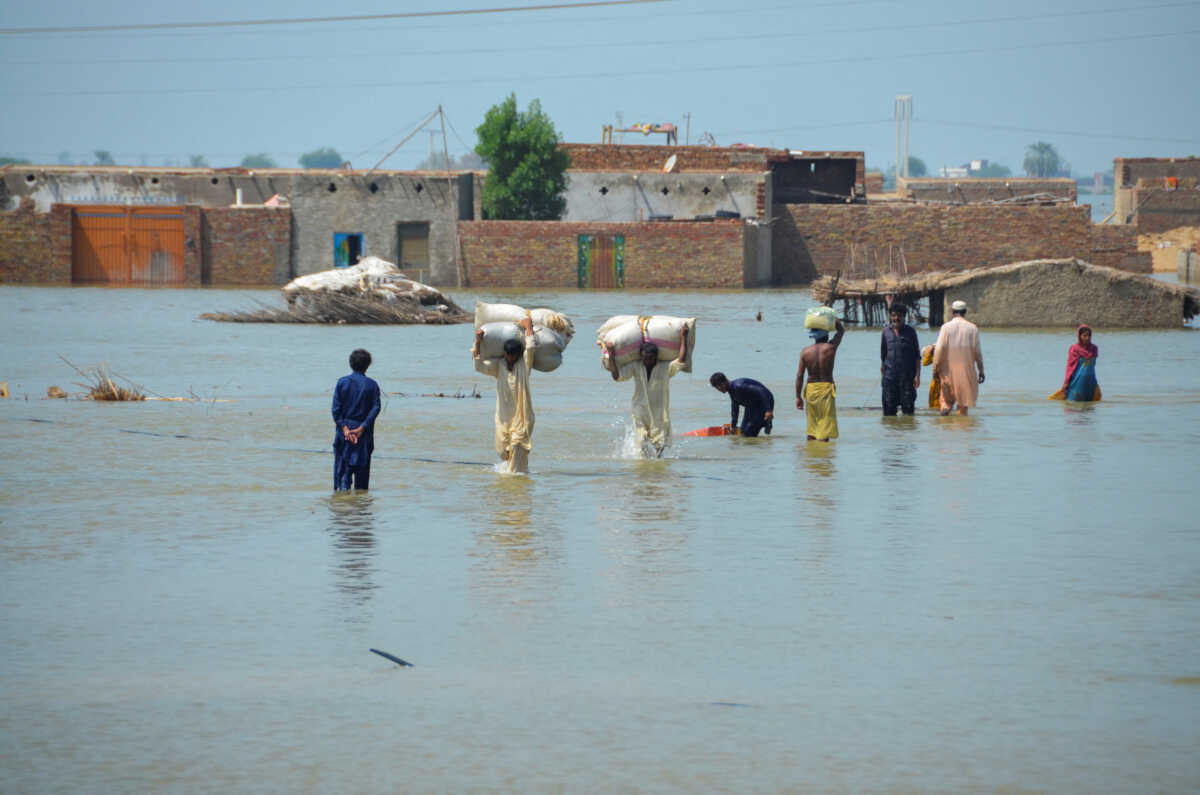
(817, 361)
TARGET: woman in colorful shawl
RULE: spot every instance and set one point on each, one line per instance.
(1079, 383)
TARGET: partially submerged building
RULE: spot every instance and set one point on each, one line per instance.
(1051, 292)
(1156, 194)
(202, 226)
(636, 216)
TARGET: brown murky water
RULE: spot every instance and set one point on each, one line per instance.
(1009, 602)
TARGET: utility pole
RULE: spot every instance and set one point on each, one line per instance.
(688, 136)
(903, 117)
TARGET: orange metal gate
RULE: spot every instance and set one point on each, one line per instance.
(127, 245)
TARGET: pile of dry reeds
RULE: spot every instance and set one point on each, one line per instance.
(347, 309)
(100, 385)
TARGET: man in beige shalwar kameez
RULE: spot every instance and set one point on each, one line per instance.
(651, 391)
(956, 355)
(514, 406)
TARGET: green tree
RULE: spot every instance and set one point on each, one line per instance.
(1042, 160)
(993, 170)
(916, 166)
(259, 160)
(12, 161)
(198, 161)
(527, 170)
(104, 157)
(325, 157)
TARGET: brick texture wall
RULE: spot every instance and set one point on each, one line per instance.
(661, 254)
(32, 245)
(984, 189)
(625, 157)
(1116, 246)
(811, 240)
(1158, 209)
(246, 245)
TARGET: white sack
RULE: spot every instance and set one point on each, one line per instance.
(627, 332)
(495, 313)
(821, 317)
(547, 356)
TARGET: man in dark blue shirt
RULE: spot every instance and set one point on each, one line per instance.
(899, 363)
(355, 407)
(758, 400)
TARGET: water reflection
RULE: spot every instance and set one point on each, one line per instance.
(1079, 415)
(352, 527)
(515, 543)
(819, 463)
(647, 531)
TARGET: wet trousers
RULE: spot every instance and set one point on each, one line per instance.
(898, 393)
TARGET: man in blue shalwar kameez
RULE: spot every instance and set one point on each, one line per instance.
(899, 364)
(756, 398)
(355, 407)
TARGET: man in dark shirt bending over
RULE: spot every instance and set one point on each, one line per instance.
(758, 400)
(899, 363)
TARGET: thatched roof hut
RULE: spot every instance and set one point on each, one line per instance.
(1047, 292)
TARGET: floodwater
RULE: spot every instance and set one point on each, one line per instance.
(1008, 602)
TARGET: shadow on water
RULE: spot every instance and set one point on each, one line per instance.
(352, 530)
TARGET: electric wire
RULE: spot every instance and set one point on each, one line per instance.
(341, 87)
(605, 44)
(311, 20)
(731, 10)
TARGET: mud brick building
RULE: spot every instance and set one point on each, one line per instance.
(636, 216)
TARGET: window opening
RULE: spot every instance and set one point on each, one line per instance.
(347, 249)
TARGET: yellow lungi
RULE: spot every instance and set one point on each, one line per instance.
(820, 407)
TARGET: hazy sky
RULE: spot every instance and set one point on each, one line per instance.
(1102, 79)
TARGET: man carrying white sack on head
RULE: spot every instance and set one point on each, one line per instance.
(514, 406)
(651, 391)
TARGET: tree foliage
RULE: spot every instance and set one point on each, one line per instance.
(1043, 160)
(258, 160)
(198, 161)
(104, 157)
(916, 167)
(12, 161)
(325, 157)
(526, 169)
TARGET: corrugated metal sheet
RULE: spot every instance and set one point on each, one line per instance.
(127, 245)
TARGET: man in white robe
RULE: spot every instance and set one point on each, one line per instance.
(958, 361)
(514, 406)
(651, 391)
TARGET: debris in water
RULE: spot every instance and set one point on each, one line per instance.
(397, 660)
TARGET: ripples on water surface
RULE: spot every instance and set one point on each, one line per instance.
(1005, 602)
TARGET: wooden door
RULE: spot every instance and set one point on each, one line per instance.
(127, 245)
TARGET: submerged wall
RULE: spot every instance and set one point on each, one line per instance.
(1065, 292)
(35, 248)
(698, 254)
(813, 240)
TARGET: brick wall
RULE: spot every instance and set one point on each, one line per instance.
(984, 189)
(246, 245)
(812, 240)
(1116, 246)
(1157, 209)
(874, 181)
(657, 254)
(32, 245)
(624, 157)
